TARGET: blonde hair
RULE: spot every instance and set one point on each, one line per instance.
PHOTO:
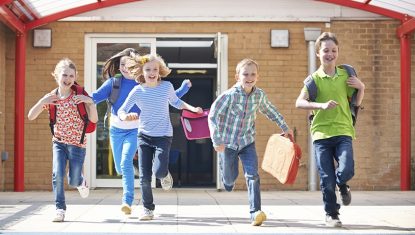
(64, 63)
(245, 62)
(136, 63)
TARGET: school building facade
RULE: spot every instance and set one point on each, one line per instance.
(204, 44)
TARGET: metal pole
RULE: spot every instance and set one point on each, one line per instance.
(311, 35)
(312, 168)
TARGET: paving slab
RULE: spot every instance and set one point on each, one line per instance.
(206, 211)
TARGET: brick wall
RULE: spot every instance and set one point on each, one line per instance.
(371, 46)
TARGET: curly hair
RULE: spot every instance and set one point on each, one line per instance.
(112, 65)
(136, 63)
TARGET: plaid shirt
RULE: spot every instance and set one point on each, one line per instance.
(232, 117)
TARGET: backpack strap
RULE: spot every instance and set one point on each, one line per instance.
(52, 114)
(79, 90)
(311, 88)
(113, 97)
(354, 109)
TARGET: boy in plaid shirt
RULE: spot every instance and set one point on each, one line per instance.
(232, 127)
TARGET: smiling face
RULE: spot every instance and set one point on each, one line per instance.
(151, 73)
(328, 53)
(123, 68)
(65, 77)
(248, 77)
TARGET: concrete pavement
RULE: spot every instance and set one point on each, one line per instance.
(207, 211)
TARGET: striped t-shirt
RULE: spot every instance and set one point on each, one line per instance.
(154, 103)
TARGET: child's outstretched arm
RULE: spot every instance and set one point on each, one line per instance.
(130, 101)
(91, 109)
(192, 108)
(272, 113)
(47, 99)
(184, 88)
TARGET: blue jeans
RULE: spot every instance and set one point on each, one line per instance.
(61, 154)
(124, 145)
(229, 160)
(337, 149)
(153, 155)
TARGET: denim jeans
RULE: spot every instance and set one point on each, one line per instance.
(337, 149)
(229, 160)
(153, 155)
(124, 145)
(61, 154)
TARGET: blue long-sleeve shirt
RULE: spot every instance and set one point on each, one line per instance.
(104, 92)
(154, 102)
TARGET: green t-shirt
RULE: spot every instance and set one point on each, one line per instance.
(337, 121)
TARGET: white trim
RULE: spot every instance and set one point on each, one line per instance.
(90, 54)
(191, 66)
(222, 85)
(184, 43)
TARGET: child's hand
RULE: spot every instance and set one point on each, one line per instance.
(289, 134)
(331, 104)
(355, 83)
(49, 98)
(198, 110)
(131, 117)
(83, 99)
(187, 82)
(220, 148)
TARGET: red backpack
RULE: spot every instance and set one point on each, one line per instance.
(89, 126)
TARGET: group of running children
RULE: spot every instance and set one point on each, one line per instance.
(140, 122)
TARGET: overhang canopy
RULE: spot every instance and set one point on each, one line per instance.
(24, 15)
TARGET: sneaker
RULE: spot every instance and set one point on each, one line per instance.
(345, 194)
(333, 221)
(228, 188)
(60, 215)
(147, 214)
(258, 218)
(83, 189)
(126, 209)
(167, 182)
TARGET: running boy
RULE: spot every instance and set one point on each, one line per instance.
(67, 133)
(332, 126)
(232, 128)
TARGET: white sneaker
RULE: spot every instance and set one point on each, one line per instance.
(60, 215)
(258, 218)
(147, 214)
(167, 182)
(83, 189)
(333, 221)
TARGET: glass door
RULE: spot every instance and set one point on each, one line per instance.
(98, 50)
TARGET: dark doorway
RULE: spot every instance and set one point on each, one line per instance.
(192, 162)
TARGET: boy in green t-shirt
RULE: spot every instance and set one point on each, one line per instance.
(332, 128)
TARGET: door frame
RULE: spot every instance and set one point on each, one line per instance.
(91, 40)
